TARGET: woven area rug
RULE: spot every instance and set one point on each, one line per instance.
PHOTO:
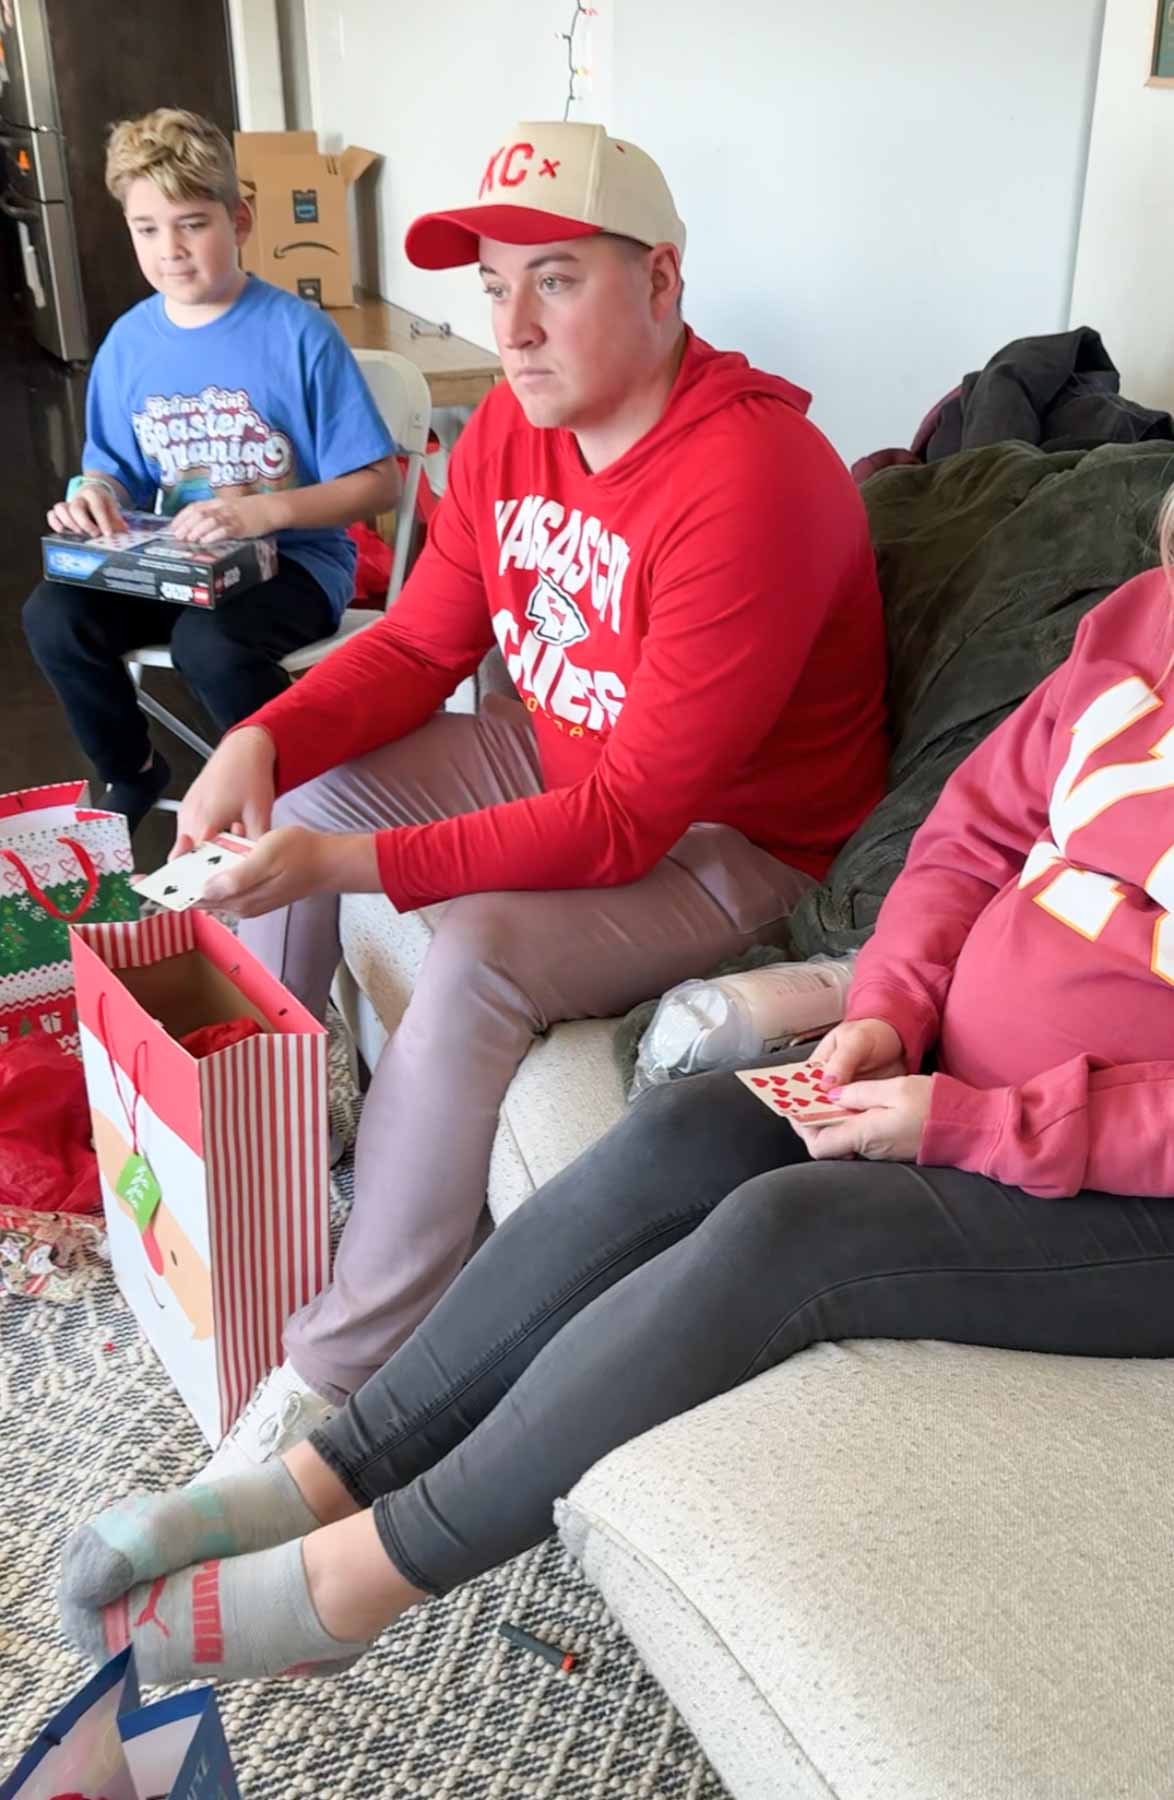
(440, 1706)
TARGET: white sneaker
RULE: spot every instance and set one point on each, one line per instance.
(280, 1414)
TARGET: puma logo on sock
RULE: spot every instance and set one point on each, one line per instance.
(207, 1629)
(150, 1612)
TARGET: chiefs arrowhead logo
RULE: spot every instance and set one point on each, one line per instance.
(556, 618)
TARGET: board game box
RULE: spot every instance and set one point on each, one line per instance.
(146, 560)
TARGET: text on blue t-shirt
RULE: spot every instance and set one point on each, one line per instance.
(268, 396)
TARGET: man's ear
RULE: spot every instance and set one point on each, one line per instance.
(242, 222)
(665, 275)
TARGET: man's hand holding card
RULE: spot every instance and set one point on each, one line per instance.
(184, 882)
(232, 874)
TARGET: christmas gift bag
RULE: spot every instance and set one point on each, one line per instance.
(60, 860)
(213, 1167)
(104, 1746)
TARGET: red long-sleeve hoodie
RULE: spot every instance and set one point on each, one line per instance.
(1031, 933)
(696, 631)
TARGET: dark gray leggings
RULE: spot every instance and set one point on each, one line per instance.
(692, 1248)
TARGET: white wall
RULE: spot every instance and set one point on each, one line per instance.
(877, 196)
(1125, 260)
(431, 86)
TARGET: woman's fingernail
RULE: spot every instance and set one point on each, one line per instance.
(834, 1093)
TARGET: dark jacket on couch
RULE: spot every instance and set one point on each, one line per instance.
(988, 561)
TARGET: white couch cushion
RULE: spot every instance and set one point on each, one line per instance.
(563, 1098)
(906, 1572)
(566, 1093)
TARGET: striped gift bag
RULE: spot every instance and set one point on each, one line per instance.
(214, 1168)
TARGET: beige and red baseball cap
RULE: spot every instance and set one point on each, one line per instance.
(549, 181)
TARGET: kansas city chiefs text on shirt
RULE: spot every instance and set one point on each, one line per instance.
(537, 533)
(584, 699)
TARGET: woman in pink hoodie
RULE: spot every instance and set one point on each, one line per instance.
(1016, 1196)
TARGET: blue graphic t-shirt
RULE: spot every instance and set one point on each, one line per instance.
(267, 396)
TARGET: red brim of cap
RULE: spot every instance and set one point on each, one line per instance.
(448, 239)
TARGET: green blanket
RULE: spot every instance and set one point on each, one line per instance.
(988, 561)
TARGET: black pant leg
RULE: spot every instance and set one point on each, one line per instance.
(231, 655)
(79, 637)
(814, 1253)
(646, 1184)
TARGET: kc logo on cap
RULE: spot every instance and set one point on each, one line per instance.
(509, 167)
(550, 181)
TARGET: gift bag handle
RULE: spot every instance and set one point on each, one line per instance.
(130, 1113)
(86, 863)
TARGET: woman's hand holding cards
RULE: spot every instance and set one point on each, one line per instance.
(888, 1120)
(863, 1062)
(860, 1048)
(852, 1097)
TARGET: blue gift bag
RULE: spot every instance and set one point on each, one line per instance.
(104, 1746)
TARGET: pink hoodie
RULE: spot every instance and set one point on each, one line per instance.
(1031, 935)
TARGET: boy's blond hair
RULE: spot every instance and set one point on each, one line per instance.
(184, 155)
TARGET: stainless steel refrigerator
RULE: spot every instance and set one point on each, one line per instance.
(68, 70)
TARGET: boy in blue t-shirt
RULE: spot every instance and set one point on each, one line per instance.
(243, 407)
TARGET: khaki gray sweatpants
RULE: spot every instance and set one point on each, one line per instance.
(501, 968)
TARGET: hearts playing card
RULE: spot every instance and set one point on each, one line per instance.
(795, 1091)
(181, 883)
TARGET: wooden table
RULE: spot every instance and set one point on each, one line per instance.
(458, 373)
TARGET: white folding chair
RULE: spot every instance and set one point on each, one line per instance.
(405, 405)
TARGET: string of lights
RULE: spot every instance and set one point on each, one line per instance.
(574, 70)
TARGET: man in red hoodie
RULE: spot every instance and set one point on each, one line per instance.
(676, 568)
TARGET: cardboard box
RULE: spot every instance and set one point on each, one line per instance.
(300, 238)
(147, 561)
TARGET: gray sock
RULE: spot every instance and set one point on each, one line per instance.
(154, 1534)
(237, 1619)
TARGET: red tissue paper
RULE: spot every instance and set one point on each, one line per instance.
(47, 1163)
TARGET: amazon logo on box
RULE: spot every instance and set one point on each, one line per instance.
(300, 239)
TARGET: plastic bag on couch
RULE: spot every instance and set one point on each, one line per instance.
(735, 1020)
